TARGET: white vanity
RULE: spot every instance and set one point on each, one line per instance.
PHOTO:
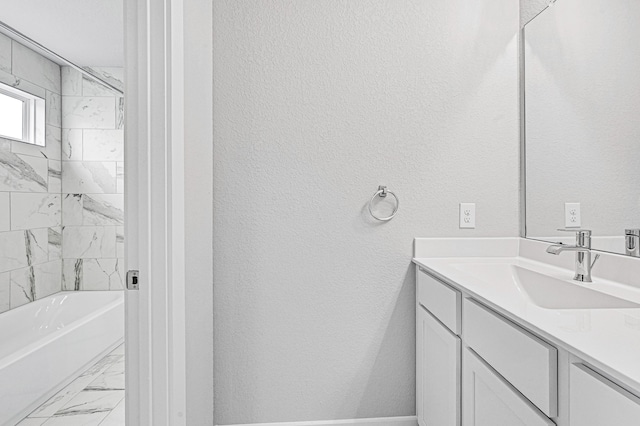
(505, 337)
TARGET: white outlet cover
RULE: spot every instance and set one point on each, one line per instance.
(572, 217)
(467, 215)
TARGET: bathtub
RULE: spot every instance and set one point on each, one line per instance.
(45, 344)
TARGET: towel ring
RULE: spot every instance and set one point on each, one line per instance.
(382, 193)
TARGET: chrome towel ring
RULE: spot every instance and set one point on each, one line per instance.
(382, 193)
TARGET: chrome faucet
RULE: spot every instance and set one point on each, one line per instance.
(632, 242)
(583, 253)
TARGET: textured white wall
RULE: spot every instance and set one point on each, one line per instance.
(315, 104)
(199, 210)
(581, 108)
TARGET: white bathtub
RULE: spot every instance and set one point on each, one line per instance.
(45, 344)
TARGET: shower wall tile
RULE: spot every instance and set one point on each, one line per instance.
(32, 210)
(92, 181)
(120, 241)
(5, 211)
(103, 209)
(120, 178)
(88, 112)
(72, 144)
(72, 274)
(19, 249)
(22, 172)
(55, 243)
(22, 84)
(53, 109)
(102, 274)
(120, 113)
(35, 282)
(51, 150)
(30, 186)
(112, 75)
(55, 176)
(88, 242)
(5, 293)
(35, 68)
(103, 145)
(89, 177)
(5, 53)
(71, 82)
(72, 214)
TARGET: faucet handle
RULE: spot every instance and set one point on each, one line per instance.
(583, 236)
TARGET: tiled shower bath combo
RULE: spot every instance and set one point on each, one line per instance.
(61, 231)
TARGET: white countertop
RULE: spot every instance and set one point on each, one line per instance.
(609, 339)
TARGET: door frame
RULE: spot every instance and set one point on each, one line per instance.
(154, 213)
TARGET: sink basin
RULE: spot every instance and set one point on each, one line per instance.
(546, 291)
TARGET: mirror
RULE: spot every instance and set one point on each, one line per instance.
(582, 134)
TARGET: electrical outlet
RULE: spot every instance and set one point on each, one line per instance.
(572, 215)
(467, 215)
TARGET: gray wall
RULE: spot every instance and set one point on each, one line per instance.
(315, 104)
(30, 202)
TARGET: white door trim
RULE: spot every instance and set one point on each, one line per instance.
(154, 171)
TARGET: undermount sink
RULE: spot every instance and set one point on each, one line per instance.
(545, 291)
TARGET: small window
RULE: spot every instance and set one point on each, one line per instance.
(21, 116)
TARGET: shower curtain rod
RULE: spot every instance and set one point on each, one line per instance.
(4, 28)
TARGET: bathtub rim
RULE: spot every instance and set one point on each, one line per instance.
(12, 357)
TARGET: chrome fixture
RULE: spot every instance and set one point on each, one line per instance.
(632, 242)
(583, 253)
(382, 192)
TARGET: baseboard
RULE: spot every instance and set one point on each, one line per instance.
(381, 421)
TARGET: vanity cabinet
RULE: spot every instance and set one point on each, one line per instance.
(438, 356)
(478, 367)
(596, 401)
(489, 400)
(438, 372)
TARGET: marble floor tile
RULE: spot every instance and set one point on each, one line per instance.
(111, 379)
(92, 419)
(34, 422)
(91, 402)
(116, 417)
(96, 397)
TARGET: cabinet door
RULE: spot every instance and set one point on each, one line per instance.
(488, 400)
(596, 401)
(438, 372)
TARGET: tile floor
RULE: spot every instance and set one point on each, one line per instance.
(96, 397)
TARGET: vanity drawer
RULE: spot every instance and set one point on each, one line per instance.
(524, 360)
(595, 400)
(439, 299)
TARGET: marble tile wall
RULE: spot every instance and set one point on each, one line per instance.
(92, 175)
(30, 186)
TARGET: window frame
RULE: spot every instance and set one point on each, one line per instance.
(33, 115)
